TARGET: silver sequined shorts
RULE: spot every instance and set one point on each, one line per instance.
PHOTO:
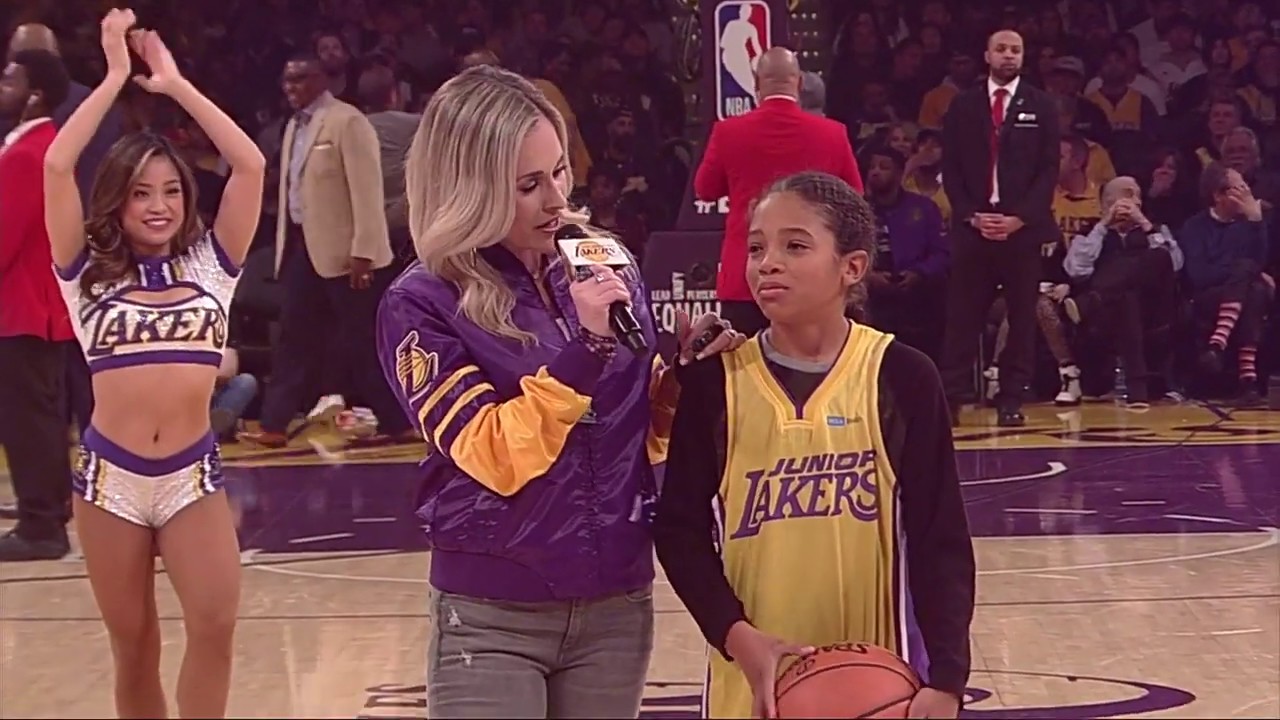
(141, 490)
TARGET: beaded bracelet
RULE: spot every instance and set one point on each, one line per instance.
(600, 345)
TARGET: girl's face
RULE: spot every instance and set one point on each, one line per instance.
(154, 210)
(901, 140)
(794, 267)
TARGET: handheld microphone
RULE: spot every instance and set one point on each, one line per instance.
(581, 250)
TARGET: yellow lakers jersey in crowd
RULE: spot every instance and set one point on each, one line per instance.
(1075, 214)
(1123, 114)
(809, 510)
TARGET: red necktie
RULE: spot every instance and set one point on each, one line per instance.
(997, 119)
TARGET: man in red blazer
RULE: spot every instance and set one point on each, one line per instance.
(35, 329)
(746, 153)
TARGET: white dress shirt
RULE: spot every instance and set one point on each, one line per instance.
(1012, 89)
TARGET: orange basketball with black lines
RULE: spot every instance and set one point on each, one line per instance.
(847, 680)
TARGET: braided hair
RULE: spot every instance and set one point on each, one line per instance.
(843, 211)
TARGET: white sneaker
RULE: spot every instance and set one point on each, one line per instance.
(327, 407)
(1070, 393)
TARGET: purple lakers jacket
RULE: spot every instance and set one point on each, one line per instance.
(538, 483)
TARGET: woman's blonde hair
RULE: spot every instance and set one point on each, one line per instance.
(460, 176)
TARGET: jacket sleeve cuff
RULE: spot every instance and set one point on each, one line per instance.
(717, 630)
(578, 367)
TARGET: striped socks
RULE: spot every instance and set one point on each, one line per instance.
(1248, 357)
(1228, 314)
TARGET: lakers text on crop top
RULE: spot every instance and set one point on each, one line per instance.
(120, 328)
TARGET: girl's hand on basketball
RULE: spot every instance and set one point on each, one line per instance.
(759, 655)
(931, 703)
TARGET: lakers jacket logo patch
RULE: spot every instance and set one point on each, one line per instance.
(415, 367)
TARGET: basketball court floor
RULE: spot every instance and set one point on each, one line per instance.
(1128, 563)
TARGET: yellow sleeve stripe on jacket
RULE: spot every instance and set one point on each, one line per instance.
(442, 389)
(466, 398)
(505, 445)
(664, 393)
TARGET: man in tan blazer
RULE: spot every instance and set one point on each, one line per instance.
(333, 259)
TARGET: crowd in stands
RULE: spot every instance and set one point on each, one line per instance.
(1176, 102)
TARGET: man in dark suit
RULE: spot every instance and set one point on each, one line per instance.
(746, 153)
(35, 331)
(1001, 193)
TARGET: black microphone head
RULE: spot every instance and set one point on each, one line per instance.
(571, 231)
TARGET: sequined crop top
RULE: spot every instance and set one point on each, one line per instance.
(118, 328)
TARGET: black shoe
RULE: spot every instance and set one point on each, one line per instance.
(15, 548)
(1211, 361)
(1248, 398)
(1137, 395)
(9, 511)
(955, 406)
(1010, 416)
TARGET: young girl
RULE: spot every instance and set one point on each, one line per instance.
(811, 494)
(148, 289)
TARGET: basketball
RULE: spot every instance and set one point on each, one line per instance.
(848, 680)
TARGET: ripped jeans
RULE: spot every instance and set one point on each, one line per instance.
(571, 659)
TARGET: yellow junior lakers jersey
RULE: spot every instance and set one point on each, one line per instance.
(808, 510)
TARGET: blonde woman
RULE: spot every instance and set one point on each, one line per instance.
(539, 486)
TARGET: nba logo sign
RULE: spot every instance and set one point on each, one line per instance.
(743, 33)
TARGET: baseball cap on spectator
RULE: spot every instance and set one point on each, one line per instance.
(813, 93)
(1069, 64)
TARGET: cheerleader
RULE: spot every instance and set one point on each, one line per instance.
(148, 289)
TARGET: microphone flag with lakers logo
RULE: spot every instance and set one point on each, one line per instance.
(581, 251)
(585, 251)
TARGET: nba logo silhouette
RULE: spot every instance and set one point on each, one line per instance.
(743, 33)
